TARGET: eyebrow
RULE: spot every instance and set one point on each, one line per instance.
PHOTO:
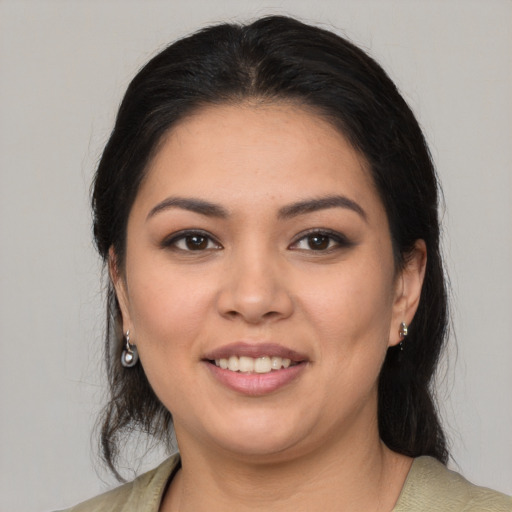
(292, 210)
(323, 203)
(194, 205)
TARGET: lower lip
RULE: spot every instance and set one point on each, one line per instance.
(256, 384)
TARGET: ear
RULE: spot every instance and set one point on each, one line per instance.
(118, 280)
(408, 290)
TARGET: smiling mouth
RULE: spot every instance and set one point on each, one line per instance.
(255, 369)
(245, 364)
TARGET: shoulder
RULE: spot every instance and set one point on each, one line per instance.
(143, 494)
(430, 486)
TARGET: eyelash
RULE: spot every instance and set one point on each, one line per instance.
(182, 236)
(335, 241)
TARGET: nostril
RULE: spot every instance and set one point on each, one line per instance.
(254, 303)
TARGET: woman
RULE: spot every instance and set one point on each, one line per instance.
(267, 208)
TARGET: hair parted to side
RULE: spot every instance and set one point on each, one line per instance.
(278, 59)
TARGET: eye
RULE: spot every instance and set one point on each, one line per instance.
(192, 241)
(320, 240)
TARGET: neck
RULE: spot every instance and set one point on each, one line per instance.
(350, 476)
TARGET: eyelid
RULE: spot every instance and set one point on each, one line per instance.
(169, 242)
(340, 239)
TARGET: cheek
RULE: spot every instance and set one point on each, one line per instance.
(168, 315)
(353, 304)
(350, 312)
(168, 309)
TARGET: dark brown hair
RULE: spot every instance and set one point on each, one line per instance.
(281, 59)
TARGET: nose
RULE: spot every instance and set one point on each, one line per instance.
(255, 289)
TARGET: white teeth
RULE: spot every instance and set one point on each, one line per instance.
(233, 364)
(276, 363)
(245, 364)
(264, 364)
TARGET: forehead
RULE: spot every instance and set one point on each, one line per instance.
(236, 153)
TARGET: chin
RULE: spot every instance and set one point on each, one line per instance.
(260, 450)
(262, 439)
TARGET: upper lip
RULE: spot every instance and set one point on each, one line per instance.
(255, 350)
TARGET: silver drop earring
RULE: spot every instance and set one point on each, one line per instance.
(130, 356)
(402, 332)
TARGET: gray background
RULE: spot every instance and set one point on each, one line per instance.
(63, 68)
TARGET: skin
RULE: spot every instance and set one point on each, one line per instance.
(313, 443)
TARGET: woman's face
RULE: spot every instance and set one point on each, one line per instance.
(259, 283)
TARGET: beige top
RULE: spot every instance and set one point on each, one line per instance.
(429, 487)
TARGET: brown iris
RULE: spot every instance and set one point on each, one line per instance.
(318, 242)
(196, 242)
